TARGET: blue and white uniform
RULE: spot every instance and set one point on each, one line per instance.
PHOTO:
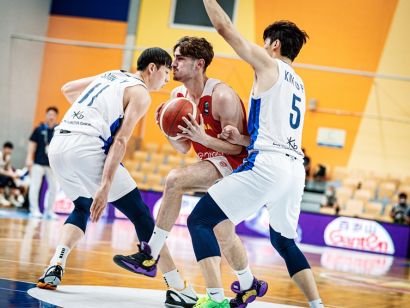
(273, 174)
(78, 150)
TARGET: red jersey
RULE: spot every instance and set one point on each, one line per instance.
(212, 126)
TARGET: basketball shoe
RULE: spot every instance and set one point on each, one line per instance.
(243, 298)
(207, 302)
(140, 263)
(51, 277)
(181, 298)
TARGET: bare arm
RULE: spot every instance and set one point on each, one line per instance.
(228, 110)
(138, 103)
(72, 89)
(255, 55)
(32, 146)
(231, 134)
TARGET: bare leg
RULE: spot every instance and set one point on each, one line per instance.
(211, 270)
(233, 250)
(70, 235)
(198, 176)
(231, 245)
(306, 282)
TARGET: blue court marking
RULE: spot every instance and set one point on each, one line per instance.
(13, 293)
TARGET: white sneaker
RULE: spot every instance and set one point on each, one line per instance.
(4, 201)
(36, 214)
(17, 201)
(181, 298)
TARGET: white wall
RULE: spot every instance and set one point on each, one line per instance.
(20, 64)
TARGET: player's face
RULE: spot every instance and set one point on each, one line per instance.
(182, 67)
(160, 77)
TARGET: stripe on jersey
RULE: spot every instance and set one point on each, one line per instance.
(253, 121)
(113, 128)
(248, 163)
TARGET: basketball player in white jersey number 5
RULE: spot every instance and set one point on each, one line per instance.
(273, 173)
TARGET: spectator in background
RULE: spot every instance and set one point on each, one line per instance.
(330, 199)
(8, 179)
(320, 173)
(38, 164)
(407, 216)
(399, 211)
(306, 163)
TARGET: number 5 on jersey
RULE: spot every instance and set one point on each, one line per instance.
(294, 119)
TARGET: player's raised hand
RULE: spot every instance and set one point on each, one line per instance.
(99, 204)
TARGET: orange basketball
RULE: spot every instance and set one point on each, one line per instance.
(171, 115)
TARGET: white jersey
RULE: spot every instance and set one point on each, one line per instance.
(99, 110)
(276, 116)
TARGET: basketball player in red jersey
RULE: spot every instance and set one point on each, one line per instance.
(219, 106)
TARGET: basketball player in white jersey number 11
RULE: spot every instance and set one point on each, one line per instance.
(87, 149)
(272, 175)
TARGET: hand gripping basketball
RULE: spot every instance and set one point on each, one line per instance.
(171, 116)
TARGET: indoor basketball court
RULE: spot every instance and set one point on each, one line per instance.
(352, 227)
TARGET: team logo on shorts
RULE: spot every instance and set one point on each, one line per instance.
(223, 164)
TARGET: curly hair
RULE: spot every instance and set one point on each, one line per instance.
(197, 48)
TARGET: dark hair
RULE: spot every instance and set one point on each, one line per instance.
(290, 36)
(8, 144)
(197, 48)
(52, 108)
(155, 55)
(402, 195)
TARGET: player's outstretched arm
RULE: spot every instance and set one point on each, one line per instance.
(138, 104)
(255, 55)
(72, 89)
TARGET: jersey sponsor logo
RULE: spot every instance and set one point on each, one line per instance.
(205, 155)
(78, 115)
(77, 123)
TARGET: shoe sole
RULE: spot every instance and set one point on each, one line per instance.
(46, 286)
(139, 270)
(176, 306)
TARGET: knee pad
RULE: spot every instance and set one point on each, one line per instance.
(294, 258)
(79, 216)
(132, 206)
(205, 216)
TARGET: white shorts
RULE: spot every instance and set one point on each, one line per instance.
(222, 164)
(274, 180)
(78, 161)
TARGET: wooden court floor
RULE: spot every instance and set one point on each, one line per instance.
(345, 278)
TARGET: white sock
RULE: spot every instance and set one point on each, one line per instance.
(60, 256)
(174, 280)
(317, 303)
(245, 278)
(157, 241)
(216, 294)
